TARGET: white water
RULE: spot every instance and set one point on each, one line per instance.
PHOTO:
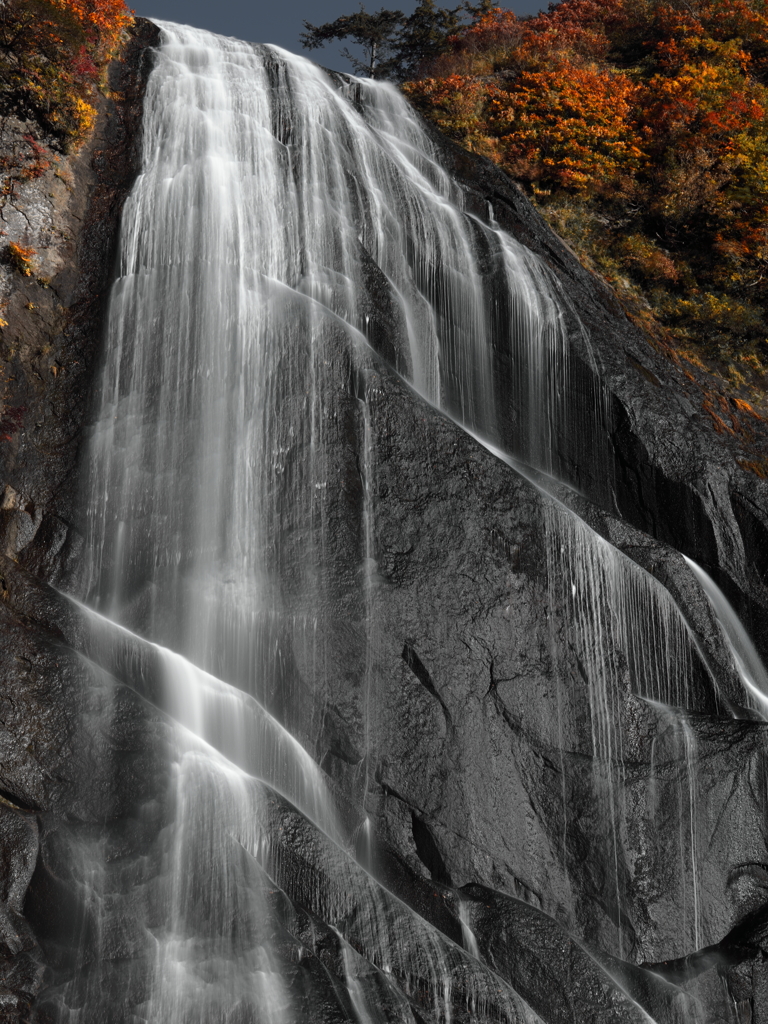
(242, 257)
(746, 660)
(246, 292)
(241, 291)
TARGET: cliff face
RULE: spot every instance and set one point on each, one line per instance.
(490, 808)
(69, 217)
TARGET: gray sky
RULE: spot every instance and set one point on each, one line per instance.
(280, 21)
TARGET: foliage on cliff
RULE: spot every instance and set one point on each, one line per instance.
(52, 58)
(639, 127)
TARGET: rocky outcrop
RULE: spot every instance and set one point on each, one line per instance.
(452, 704)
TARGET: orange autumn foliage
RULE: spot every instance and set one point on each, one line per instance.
(106, 16)
(21, 258)
(641, 129)
(567, 125)
(52, 55)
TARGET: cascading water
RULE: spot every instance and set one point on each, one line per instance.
(746, 660)
(287, 230)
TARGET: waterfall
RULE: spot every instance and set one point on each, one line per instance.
(290, 232)
(746, 660)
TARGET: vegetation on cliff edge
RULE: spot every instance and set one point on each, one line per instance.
(639, 128)
(53, 54)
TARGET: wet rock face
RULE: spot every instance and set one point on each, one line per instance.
(483, 765)
(452, 698)
(21, 967)
(656, 460)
